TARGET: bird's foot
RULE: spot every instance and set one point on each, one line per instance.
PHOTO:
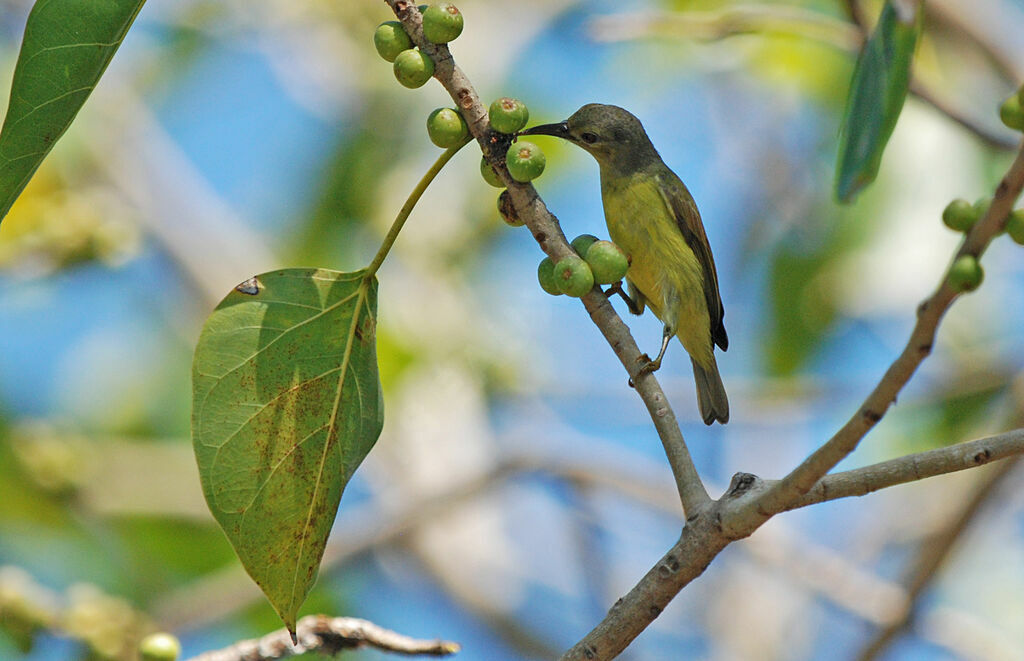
(649, 367)
(630, 303)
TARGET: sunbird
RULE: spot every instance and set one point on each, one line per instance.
(652, 217)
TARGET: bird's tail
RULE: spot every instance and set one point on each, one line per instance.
(711, 397)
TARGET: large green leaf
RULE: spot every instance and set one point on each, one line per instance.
(67, 46)
(877, 92)
(286, 404)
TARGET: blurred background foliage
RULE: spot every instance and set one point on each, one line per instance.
(518, 487)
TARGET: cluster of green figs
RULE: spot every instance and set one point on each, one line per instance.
(595, 262)
(960, 215)
(446, 127)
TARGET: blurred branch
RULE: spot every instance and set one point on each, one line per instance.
(328, 636)
(940, 13)
(511, 628)
(222, 593)
(210, 244)
(930, 96)
(932, 555)
(780, 495)
(109, 627)
(547, 232)
(779, 19)
(913, 467)
(728, 22)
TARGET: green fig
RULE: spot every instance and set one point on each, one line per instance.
(546, 277)
(489, 175)
(607, 261)
(1015, 226)
(966, 274)
(960, 215)
(159, 647)
(413, 68)
(508, 115)
(390, 39)
(446, 128)
(508, 211)
(442, 23)
(573, 276)
(583, 242)
(525, 161)
(1012, 114)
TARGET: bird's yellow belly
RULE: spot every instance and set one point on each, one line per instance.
(662, 266)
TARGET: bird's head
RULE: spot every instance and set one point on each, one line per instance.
(612, 135)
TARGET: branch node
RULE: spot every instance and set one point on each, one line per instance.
(870, 416)
(982, 457)
(668, 566)
(740, 484)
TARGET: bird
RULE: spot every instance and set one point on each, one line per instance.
(653, 218)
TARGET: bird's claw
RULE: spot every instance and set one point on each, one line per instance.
(649, 367)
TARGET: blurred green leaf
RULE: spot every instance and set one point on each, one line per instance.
(286, 404)
(68, 45)
(351, 179)
(877, 92)
(802, 312)
(160, 553)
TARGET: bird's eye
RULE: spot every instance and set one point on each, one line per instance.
(589, 138)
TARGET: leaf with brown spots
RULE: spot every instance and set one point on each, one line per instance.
(286, 404)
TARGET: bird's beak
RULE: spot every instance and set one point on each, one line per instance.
(559, 130)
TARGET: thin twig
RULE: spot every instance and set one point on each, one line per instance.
(913, 467)
(803, 478)
(410, 204)
(728, 22)
(780, 19)
(328, 636)
(547, 232)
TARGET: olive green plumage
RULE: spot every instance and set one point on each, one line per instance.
(653, 218)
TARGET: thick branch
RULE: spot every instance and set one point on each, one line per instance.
(802, 479)
(547, 232)
(698, 545)
(328, 636)
(913, 467)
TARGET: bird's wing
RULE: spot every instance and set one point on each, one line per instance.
(678, 199)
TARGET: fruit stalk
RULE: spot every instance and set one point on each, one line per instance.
(410, 204)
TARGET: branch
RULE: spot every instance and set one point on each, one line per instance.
(328, 636)
(756, 18)
(913, 467)
(782, 494)
(224, 592)
(698, 545)
(547, 232)
(731, 21)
